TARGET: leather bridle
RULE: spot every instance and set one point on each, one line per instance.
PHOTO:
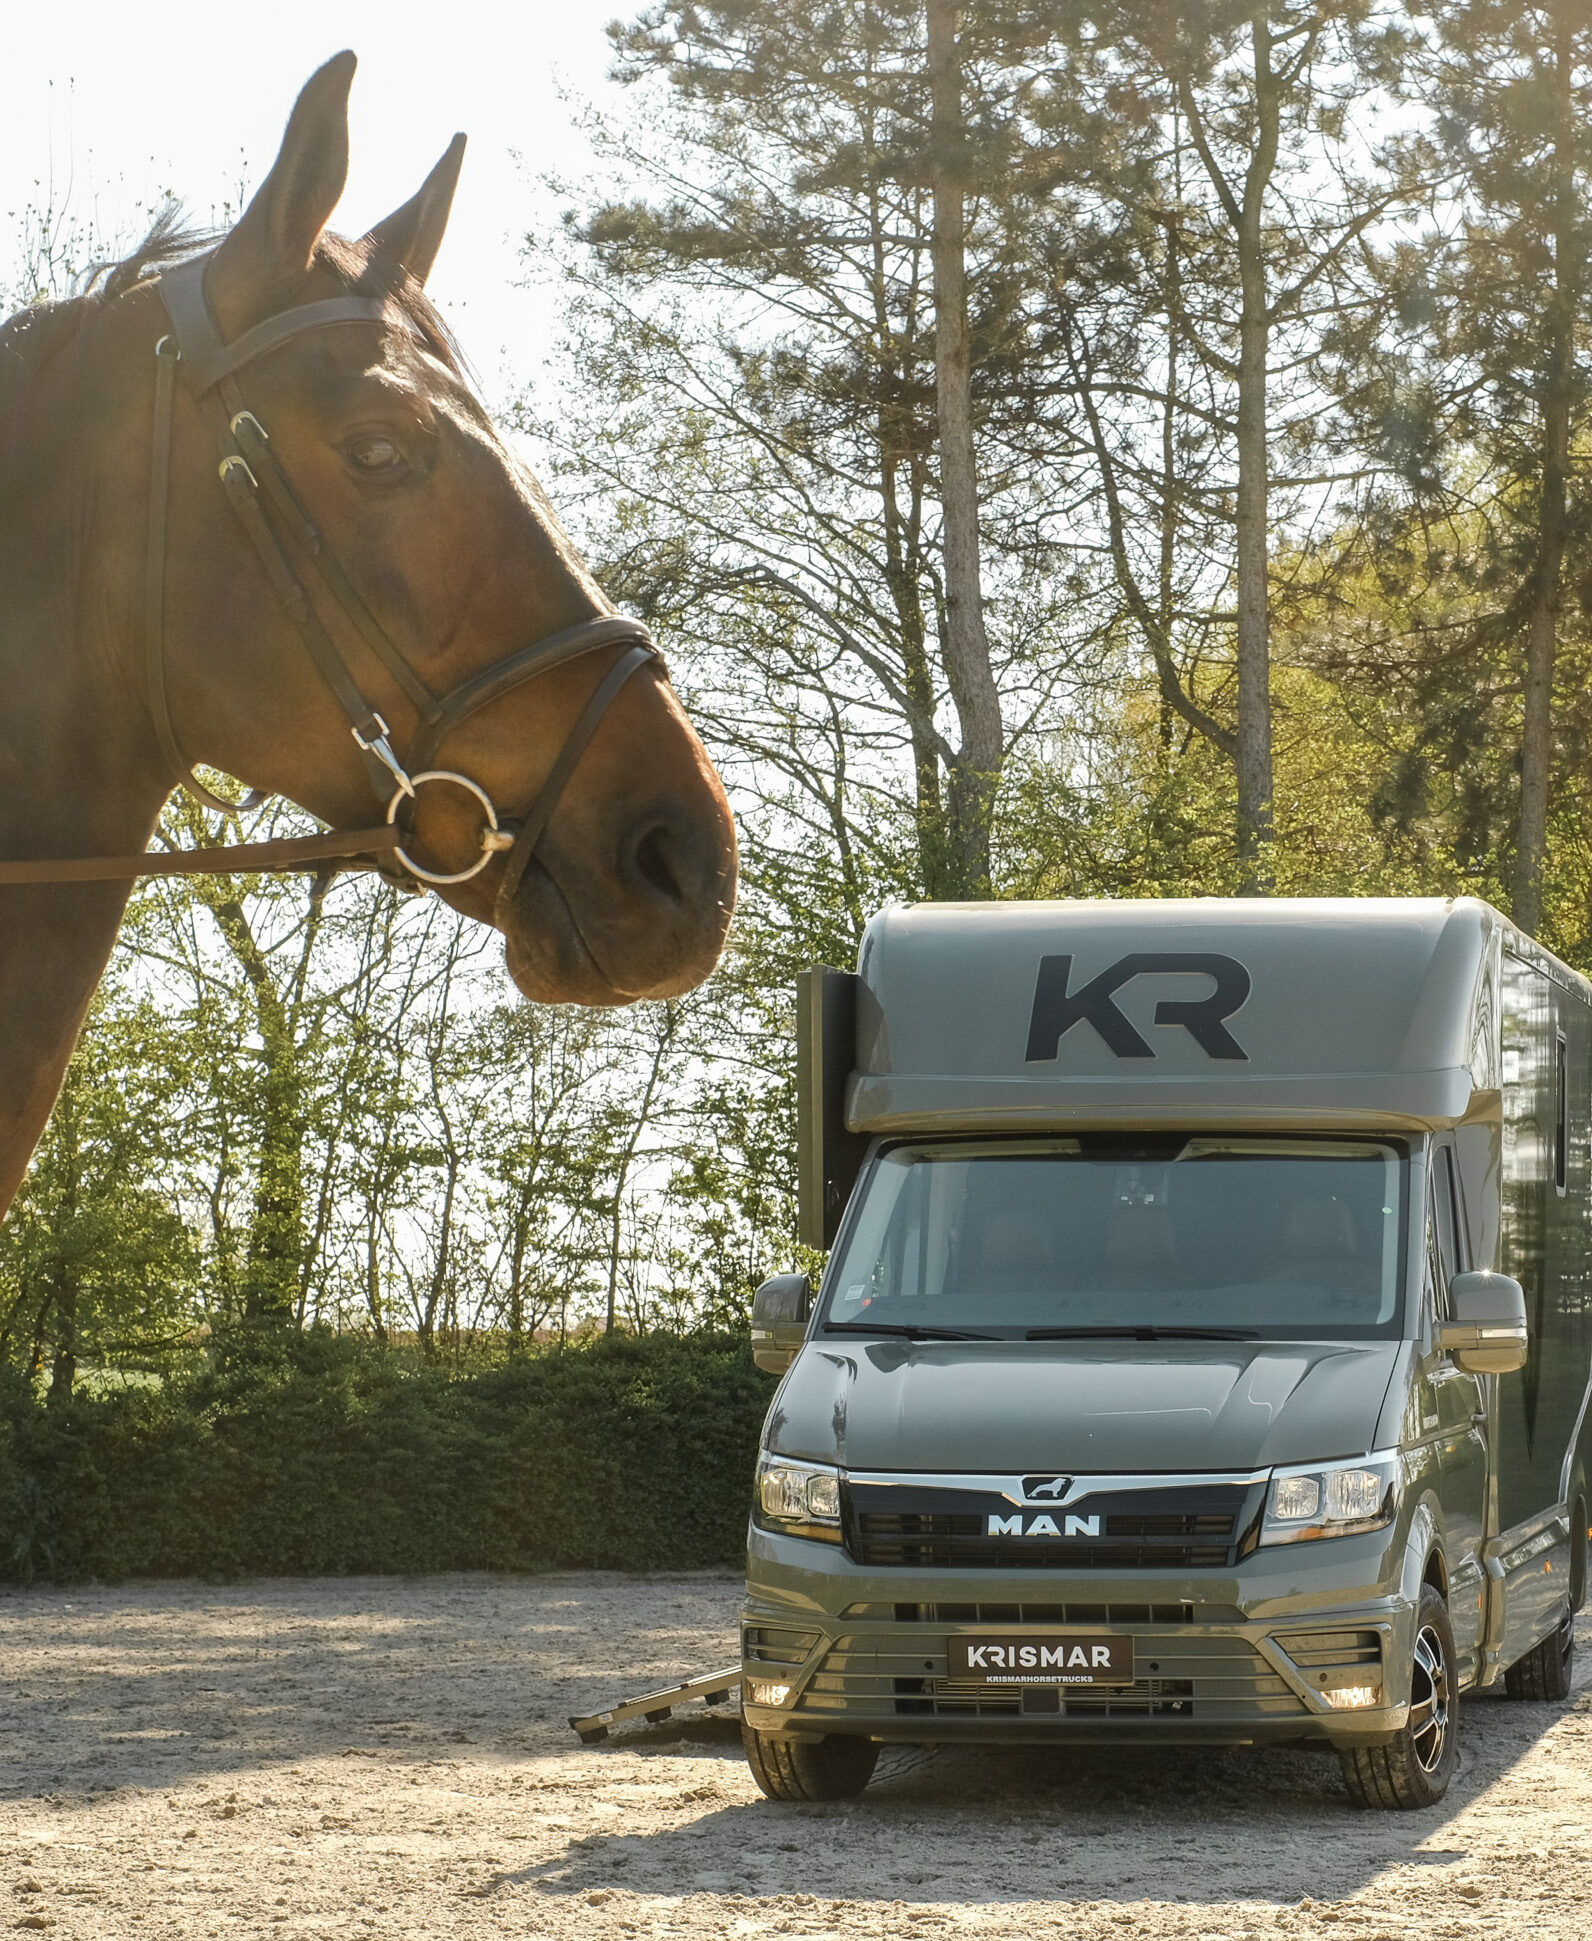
(272, 514)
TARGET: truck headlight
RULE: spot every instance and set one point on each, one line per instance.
(801, 1498)
(1330, 1499)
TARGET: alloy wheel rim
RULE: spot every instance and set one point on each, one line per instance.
(1429, 1700)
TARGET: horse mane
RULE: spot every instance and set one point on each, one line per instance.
(31, 339)
(35, 336)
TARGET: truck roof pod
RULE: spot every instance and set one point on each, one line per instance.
(1365, 1013)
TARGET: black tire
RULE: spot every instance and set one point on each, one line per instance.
(834, 1767)
(1414, 1769)
(1543, 1675)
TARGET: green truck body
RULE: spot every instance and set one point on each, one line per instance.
(1133, 1404)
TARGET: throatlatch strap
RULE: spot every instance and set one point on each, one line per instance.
(166, 361)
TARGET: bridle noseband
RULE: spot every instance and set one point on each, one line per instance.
(272, 514)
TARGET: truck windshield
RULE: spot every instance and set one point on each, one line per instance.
(1276, 1237)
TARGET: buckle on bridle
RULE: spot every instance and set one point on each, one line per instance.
(379, 746)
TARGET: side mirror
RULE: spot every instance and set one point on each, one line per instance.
(1487, 1335)
(781, 1308)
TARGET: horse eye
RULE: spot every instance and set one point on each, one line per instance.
(374, 455)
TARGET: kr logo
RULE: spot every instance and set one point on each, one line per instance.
(1057, 1010)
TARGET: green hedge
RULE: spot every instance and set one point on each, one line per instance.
(307, 1454)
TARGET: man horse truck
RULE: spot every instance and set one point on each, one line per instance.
(1204, 1351)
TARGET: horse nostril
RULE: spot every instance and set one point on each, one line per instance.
(650, 853)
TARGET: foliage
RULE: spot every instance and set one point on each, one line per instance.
(308, 1453)
(311, 1106)
(96, 1262)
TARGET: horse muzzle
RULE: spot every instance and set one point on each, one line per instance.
(608, 916)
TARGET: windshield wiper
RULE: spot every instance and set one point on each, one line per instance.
(1142, 1334)
(909, 1331)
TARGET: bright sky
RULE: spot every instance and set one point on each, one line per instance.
(112, 103)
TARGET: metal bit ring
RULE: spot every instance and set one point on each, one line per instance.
(491, 836)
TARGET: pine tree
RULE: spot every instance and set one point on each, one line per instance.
(1508, 371)
(818, 281)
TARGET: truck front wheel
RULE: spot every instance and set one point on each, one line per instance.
(1413, 1770)
(834, 1767)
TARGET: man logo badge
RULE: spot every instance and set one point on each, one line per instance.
(1046, 1489)
(1042, 1525)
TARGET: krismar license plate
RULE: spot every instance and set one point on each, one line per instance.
(1027, 1658)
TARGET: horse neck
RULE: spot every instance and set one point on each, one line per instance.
(75, 780)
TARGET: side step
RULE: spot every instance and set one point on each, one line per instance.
(713, 1688)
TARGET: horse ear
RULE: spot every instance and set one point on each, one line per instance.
(274, 241)
(412, 235)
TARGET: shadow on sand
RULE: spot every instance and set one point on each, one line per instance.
(977, 1824)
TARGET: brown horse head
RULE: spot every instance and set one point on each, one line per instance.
(447, 548)
(455, 550)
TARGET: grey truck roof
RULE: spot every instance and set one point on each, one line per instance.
(1353, 1012)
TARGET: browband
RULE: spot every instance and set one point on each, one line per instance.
(206, 359)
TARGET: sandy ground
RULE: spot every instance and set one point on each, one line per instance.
(374, 1756)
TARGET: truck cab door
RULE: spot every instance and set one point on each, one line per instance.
(1454, 1418)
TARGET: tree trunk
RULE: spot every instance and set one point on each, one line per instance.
(627, 1159)
(1255, 824)
(1546, 590)
(276, 1235)
(373, 1294)
(517, 1284)
(899, 446)
(967, 660)
(63, 1364)
(437, 1285)
(276, 1228)
(67, 1305)
(1173, 299)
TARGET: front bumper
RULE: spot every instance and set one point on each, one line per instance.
(1241, 1657)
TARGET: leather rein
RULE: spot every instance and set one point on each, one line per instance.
(273, 516)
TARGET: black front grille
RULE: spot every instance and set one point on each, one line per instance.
(1169, 1526)
(1015, 1553)
(874, 1524)
(1204, 1533)
(941, 1698)
(1104, 1614)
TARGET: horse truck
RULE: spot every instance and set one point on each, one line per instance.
(1205, 1343)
